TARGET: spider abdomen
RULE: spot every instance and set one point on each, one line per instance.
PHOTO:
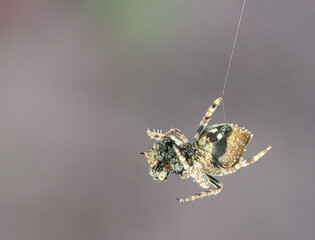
(229, 147)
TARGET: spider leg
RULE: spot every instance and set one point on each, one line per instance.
(204, 193)
(175, 134)
(183, 162)
(246, 162)
(206, 118)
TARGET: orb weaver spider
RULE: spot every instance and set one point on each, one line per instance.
(216, 151)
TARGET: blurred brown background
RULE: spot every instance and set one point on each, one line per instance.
(80, 82)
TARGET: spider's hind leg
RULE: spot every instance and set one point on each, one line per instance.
(246, 162)
(204, 194)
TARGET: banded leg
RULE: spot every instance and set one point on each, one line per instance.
(175, 134)
(206, 118)
(183, 161)
(246, 162)
(202, 194)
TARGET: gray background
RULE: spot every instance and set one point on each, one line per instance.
(80, 82)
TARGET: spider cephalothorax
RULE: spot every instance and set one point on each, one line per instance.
(216, 150)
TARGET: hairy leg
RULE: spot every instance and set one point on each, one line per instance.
(246, 162)
(203, 194)
(175, 134)
(206, 118)
(183, 161)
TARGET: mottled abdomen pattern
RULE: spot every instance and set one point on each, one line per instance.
(226, 143)
(236, 143)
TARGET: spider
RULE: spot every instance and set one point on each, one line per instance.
(216, 151)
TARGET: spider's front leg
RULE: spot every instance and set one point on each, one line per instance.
(182, 159)
(206, 118)
(194, 173)
(175, 134)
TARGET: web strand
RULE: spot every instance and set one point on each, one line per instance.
(231, 57)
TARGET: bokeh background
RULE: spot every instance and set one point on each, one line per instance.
(80, 82)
